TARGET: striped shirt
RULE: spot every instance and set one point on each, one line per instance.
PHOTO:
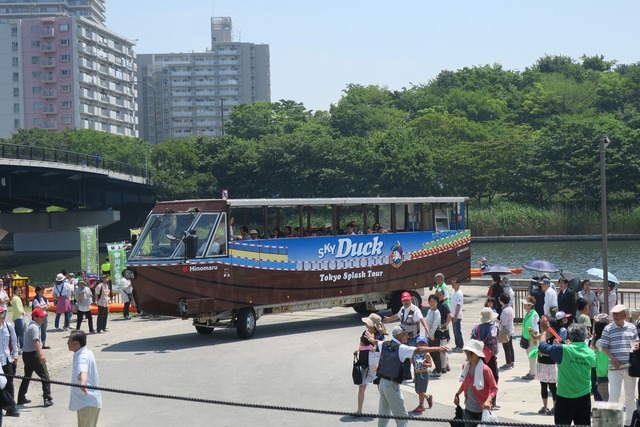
(620, 340)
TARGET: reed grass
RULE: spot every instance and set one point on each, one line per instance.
(510, 219)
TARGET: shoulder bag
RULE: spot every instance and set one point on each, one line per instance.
(357, 372)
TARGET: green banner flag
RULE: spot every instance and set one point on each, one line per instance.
(89, 249)
(117, 259)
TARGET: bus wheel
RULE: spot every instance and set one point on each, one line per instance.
(396, 302)
(246, 323)
(203, 330)
(361, 308)
(416, 299)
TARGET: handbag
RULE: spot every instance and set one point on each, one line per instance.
(487, 415)
(458, 419)
(6, 401)
(357, 373)
(524, 343)
(442, 334)
(504, 336)
(634, 363)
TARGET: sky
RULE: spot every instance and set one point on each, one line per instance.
(318, 48)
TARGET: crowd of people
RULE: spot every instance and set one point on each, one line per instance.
(572, 348)
(72, 294)
(351, 228)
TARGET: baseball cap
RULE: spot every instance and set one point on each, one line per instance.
(397, 331)
(405, 296)
(421, 339)
(38, 313)
(620, 308)
(546, 280)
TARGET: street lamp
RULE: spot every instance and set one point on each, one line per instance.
(604, 142)
(155, 111)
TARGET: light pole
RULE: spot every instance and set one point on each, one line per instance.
(155, 111)
(604, 142)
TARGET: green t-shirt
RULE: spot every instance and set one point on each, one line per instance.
(583, 319)
(574, 372)
(444, 289)
(602, 361)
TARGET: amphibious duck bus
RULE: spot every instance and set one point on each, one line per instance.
(191, 262)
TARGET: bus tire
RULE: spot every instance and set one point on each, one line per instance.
(203, 330)
(396, 302)
(246, 323)
(416, 299)
(361, 308)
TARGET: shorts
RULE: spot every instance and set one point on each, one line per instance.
(421, 381)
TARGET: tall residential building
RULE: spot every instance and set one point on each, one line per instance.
(61, 68)
(184, 94)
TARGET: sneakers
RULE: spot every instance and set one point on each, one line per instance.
(419, 409)
(448, 368)
(435, 374)
(430, 401)
(457, 350)
(528, 377)
(23, 401)
(546, 411)
(506, 366)
(12, 413)
(48, 402)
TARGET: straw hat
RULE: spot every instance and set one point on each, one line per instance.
(487, 315)
(375, 321)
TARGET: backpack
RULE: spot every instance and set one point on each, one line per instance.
(488, 354)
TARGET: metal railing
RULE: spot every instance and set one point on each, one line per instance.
(27, 152)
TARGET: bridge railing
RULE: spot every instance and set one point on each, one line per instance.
(27, 152)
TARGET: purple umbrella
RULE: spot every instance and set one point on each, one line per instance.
(497, 269)
(541, 265)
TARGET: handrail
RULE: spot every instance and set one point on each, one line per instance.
(27, 152)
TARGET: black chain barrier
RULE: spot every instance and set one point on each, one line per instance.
(451, 421)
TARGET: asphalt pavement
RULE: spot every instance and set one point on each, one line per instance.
(296, 360)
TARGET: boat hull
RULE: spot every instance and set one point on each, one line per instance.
(255, 276)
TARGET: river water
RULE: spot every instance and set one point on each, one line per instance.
(576, 257)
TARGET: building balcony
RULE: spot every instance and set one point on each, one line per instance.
(48, 78)
(47, 32)
(49, 109)
(50, 124)
(47, 48)
(47, 62)
(49, 93)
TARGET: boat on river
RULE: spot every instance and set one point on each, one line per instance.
(189, 263)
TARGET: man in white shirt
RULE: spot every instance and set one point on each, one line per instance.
(85, 401)
(550, 297)
(457, 301)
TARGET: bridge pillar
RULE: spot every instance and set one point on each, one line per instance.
(52, 231)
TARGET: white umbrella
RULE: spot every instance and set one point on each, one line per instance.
(598, 272)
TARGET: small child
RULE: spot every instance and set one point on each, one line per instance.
(421, 364)
(491, 303)
(602, 360)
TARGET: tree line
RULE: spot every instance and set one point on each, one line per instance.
(527, 137)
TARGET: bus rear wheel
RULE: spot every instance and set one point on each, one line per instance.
(361, 308)
(246, 322)
(203, 330)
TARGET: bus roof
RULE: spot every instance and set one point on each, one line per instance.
(342, 201)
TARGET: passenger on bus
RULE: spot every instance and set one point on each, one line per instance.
(244, 233)
(287, 231)
(254, 235)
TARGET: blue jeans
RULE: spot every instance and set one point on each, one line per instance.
(468, 415)
(457, 333)
(19, 324)
(67, 319)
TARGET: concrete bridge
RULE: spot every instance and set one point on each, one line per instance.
(93, 190)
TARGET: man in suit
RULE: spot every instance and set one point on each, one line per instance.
(566, 298)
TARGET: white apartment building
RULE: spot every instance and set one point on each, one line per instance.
(60, 67)
(185, 94)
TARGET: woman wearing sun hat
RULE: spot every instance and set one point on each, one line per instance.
(478, 385)
(368, 355)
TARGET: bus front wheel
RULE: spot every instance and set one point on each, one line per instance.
(246, 323)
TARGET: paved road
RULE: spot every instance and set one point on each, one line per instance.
(296, 360)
